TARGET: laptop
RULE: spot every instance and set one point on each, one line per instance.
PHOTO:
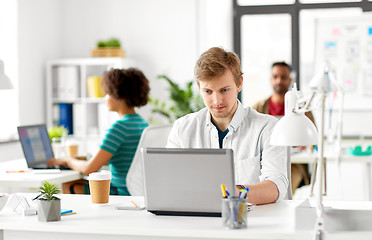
(36, 146)
(186, 182)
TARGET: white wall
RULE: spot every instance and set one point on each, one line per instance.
(215, 24)
(8, 54)
(159, 35)
(164, 36)
(38, 40)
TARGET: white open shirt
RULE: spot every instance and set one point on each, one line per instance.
(249, 137)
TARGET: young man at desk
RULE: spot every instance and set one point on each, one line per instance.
(225, 123)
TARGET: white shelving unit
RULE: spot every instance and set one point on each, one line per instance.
(66, 82)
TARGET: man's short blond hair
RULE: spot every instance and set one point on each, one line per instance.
(214, 62)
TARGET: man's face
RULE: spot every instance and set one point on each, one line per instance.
(280, 79)
(220, 95)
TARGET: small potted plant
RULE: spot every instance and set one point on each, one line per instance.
(109, 48)
(48, 205)
(57, 135)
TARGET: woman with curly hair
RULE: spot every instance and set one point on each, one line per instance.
(126, 89)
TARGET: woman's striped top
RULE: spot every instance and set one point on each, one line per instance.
(121, 140)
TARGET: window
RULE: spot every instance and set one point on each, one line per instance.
(301, 14)
(263, 2)
(265, 38)
(8, 53)
(307, 37)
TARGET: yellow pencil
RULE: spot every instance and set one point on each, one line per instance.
(223, 190)
(135, 205)
(70, 213)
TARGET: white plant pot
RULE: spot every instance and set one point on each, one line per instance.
(48, 211)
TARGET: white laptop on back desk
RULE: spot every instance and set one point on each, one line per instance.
(186, 181)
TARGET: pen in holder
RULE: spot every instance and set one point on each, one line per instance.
(234, 212)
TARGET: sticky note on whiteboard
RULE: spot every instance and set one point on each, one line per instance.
(369, 30)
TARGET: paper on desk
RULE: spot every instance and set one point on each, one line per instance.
(129, 206)
(46, 171)
(250, 206)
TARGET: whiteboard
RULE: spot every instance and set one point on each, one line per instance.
(346, 42)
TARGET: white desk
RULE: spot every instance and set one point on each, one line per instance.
(273, 221)
(28, 179)
(303, 157)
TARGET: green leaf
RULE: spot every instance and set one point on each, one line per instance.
(57, 132)
(113, 42)
(48, 190)
(101, 44)
(182, 101)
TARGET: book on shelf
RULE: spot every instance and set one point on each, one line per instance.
(67, 80)
(78, 120)
(94, 88)
(65, 116)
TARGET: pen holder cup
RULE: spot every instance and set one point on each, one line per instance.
(234, 213)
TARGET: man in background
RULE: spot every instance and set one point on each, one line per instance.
(274, 105)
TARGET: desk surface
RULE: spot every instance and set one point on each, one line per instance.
(31, 180)
(273, 221)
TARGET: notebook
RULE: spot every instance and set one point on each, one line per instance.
(36, 146)
(186, 181)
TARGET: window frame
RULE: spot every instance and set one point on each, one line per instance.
(292, 9)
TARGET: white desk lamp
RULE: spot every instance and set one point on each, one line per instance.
(4, 80)
(295, 129)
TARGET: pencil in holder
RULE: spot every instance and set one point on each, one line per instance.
(234, 212)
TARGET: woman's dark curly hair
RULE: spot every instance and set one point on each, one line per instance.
(129, 84)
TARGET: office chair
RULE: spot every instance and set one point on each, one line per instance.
(152, 136)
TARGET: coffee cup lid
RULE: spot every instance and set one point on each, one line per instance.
(102, 175)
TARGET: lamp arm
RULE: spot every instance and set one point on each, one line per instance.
(306, 107)
(319, 223)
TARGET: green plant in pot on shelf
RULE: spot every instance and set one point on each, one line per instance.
(111, 43)
(48, 205)
(182, 101)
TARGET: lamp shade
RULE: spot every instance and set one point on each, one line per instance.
(294, 130)
(4, 80)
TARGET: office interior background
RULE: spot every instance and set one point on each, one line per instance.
(163, 37)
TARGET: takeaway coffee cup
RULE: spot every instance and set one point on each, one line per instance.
(72, 150)
(99, 185)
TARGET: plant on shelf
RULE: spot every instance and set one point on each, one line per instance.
(182, 101)
(57, 133)
(48, 205)
(108, 48)
(111, 43)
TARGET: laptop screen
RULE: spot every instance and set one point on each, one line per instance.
(36, 145)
